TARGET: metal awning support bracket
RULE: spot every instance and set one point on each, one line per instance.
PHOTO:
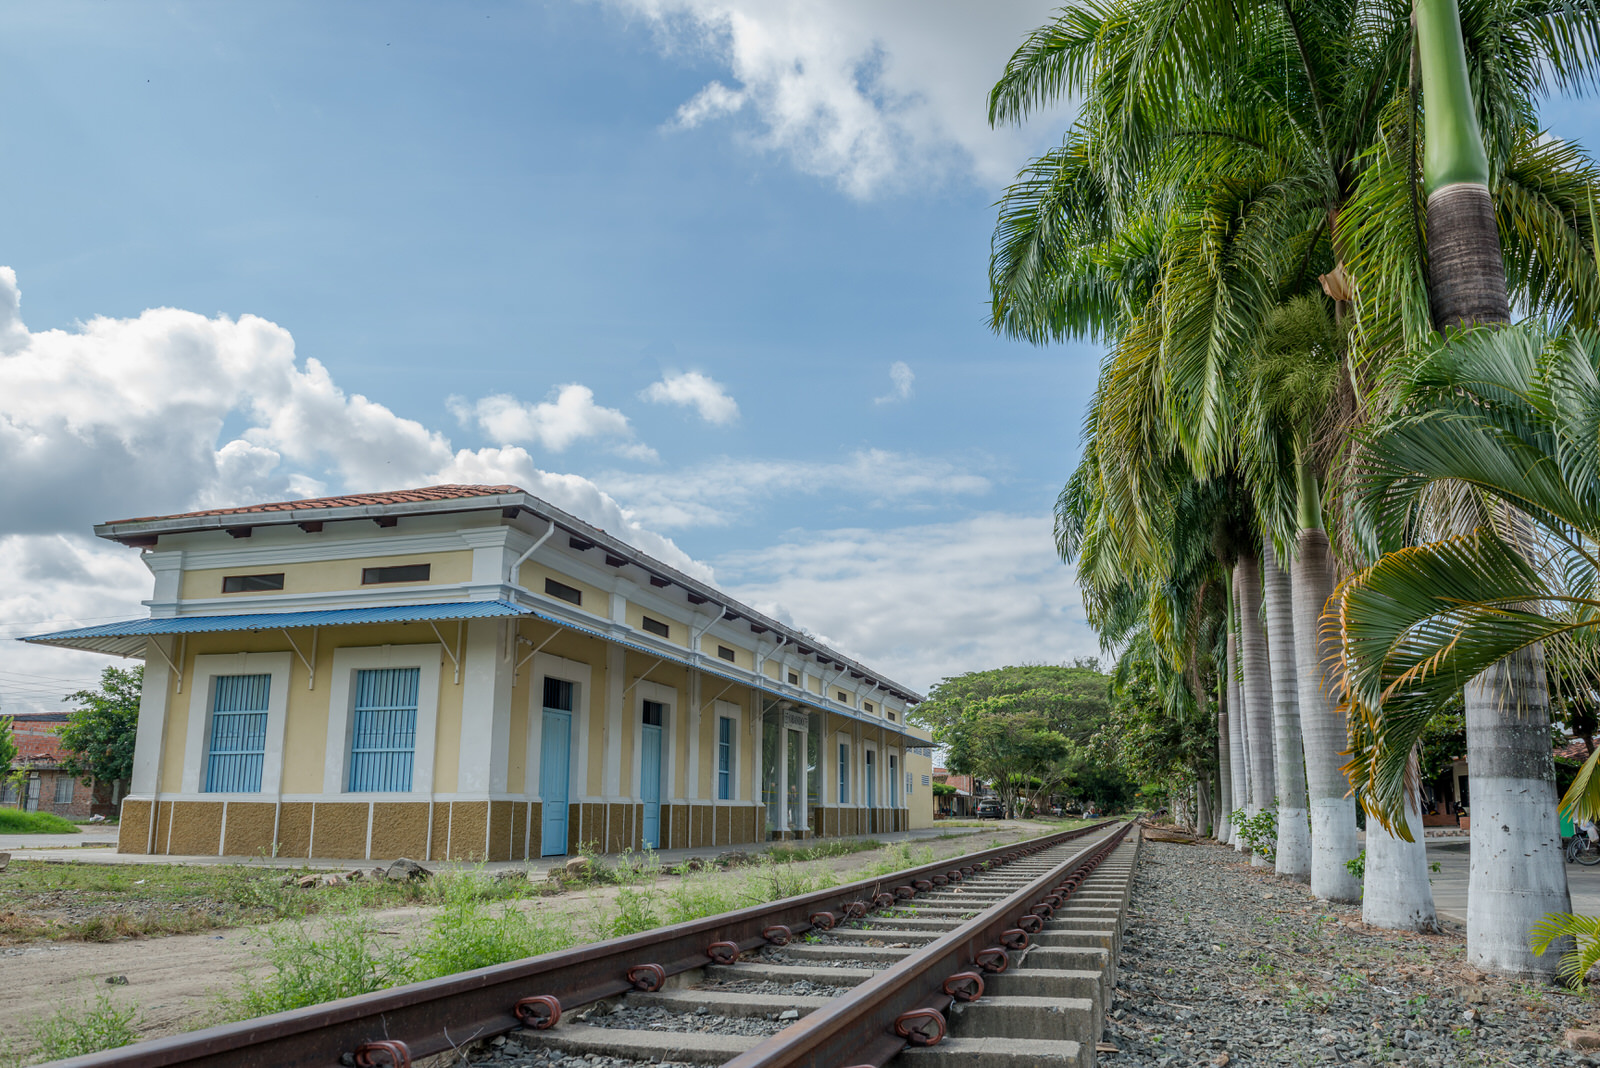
(176, 673)
(720, 692)
(644, 676)
(311, 664)
(532, 652)
(455, 655)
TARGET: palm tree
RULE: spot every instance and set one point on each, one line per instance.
(1494, 432)
(1308, 114)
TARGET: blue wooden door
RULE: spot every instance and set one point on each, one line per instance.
(650, 786)
(555, 743)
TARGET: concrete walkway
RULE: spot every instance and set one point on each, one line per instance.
(104, 850)
(1450, 882)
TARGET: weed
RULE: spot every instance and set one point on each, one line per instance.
(635, 912)
(467, 934)
(309, 969)
(89, 1028)
(1357, 865)
(1435, 868)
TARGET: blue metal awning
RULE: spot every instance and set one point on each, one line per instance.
(759, 683)
(127, 638)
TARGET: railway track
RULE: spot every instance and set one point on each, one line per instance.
(1002, 959)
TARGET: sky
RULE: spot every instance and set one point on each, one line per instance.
(710, 274)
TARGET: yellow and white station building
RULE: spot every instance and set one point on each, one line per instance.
(469, 673)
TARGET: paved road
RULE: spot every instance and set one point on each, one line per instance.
(1450, 882)
(10, 843)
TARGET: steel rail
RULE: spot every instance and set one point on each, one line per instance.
(394, 1026)
(907, 1004)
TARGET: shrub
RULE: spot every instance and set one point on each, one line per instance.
(1260, 831)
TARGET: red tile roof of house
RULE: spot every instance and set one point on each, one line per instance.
(351, 500)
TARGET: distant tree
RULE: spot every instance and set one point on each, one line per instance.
(8, 751)
(1029, 730)
(98, 736)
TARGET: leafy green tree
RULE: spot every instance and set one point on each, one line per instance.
(8, 750)
(98, 736)
(1025, 729)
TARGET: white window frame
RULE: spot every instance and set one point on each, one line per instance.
(60, 780)
(202, 695)
(341, 707)
(845, 740)
(667, 698)
(581, 675)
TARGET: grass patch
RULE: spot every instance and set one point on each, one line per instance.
(791, 854)
(74, 1031)
(108, 902)
(15, 821)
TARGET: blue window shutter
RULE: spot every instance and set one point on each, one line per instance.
(383, 735)
(238, 742)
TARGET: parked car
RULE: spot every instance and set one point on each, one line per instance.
(989, 809)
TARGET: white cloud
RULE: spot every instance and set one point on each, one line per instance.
(900, 376)
(921, 603)
(711, 102)
(692, 389)
(125, 417)
(873, 94)
(716, 493)
(571, 415)
(54, 582)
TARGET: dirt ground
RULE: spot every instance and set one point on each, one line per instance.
(176, 981)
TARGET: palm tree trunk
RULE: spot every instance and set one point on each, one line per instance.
(1237, 749)
(1466, 275)
(1238, 754)
(1518, 872)
(1397, 892)
(1294, 828)
(1224, 827)
(1257, 687)
(1333, 810)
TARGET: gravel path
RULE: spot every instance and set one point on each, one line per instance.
(1223, 964)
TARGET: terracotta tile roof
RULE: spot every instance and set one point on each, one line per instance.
(1573, 750)
(352, 500)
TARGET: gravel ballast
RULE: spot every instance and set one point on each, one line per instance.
(1222, 964)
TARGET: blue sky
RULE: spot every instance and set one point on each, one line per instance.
(710, 273)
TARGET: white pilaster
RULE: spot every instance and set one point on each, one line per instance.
(485, 709)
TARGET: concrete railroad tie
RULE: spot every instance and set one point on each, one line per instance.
(1048, 1008)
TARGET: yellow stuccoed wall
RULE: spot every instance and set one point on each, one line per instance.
(325, 576)
(679, 629)
(306, 726)
(595, 600)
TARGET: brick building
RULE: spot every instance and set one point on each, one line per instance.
(46, 787)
